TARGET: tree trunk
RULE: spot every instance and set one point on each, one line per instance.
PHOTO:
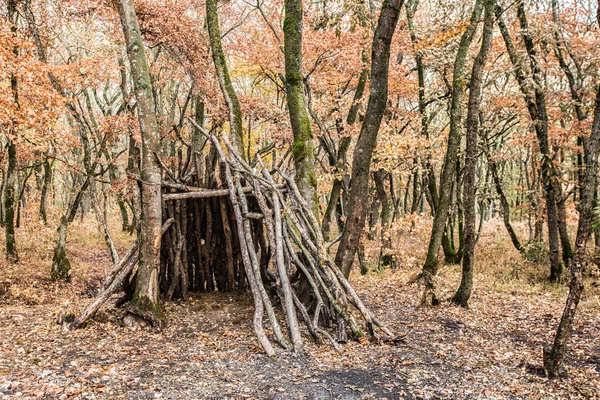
(536, 105)
(565, 242)
(430, 173)
(431, 265)
(386, 211)
(503, 201)
(45, 187)
(231, 99)
(11, 173)
(463, 294)
(145, 302)
(361, 164)
(554, 356)
(341, 167)
(61, 267)
(303, 152)
(198, 142)
(9, 204)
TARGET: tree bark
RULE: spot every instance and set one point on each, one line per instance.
(463, 294)
(9, 204)
(361, 164)
(430, 174)
(553, 356)
(218, 56)
(303, 152)
(341, 164)
(536, 105)
(11, 173)
(45, 187)
(431, 265)
(386, 211)
(493, 169)
(145, 302)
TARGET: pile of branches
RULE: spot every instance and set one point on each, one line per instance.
(304, 279)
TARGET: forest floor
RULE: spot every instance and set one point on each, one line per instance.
(208, 351)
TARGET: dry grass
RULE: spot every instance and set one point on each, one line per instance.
(208, 348)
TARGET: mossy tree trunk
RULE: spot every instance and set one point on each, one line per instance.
(145, 302)
(218, 56)
(431, 265)
(463, 294)
(303, 151)
(61, 266)
(361, 163)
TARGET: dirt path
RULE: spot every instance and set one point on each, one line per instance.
(208, 350)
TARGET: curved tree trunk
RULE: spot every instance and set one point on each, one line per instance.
(553, 356)
(463, 294)
(431, 265)
(231, 99)
(361, 164)
(304, 158)
(341, 164)
(145, 302)
(493, 168)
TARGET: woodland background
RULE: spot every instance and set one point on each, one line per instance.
(408, 189)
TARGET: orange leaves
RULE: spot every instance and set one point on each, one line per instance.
(29, 105)
(442, 37)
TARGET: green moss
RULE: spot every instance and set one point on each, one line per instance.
(300, 150)
(312, 178)
(61, 267)
(149, 311)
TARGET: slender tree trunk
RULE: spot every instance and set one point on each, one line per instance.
(11, 173)
(463, 294)
(21, 199)
(145, 302)
(47, 183)
(536, 105)
(113, 174)
(361, 165)
(430, 173)
(385, 257)
(341, 167)
(198, 142)
(565, 242)
(61, 267)
(553, 356)
(431, 265)
(9, 204)
(334, 198)
(231, 99)
(503, 201)
(304, 158)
